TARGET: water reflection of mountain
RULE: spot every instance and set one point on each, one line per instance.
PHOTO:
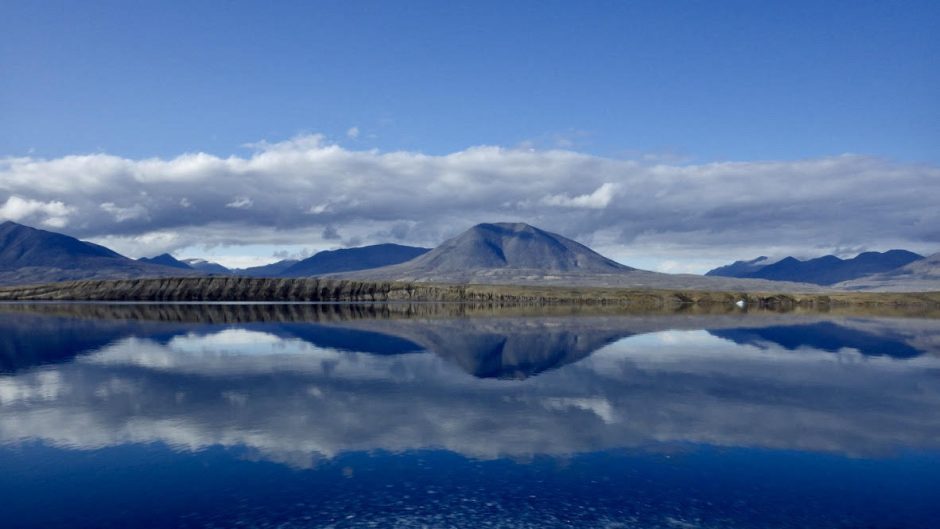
(824, 335)
(483, 342)
(289, 400)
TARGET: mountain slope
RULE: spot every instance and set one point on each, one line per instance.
(351, 259)
(275, 269)
(826, 270)
(516, 253)
(207, 267)
(30, 255)
(922, 275)
(166, 259)
(22, 246)
(512, 247)
(740, 268)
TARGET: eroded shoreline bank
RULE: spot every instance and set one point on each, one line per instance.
(239, 289)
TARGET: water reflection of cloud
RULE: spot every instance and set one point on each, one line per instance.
(237, 352)
(193, 391)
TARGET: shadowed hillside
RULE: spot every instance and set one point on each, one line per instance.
(30, 255)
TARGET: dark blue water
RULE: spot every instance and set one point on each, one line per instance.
(452, 416)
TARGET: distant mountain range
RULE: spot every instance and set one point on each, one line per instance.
(740, 268)
(166, 259)
(325, 262)
(826, 270)
(351, 259)
(22, 246)
(919, 276)
(490, 253)
(517, 253)
(275, 269)
(30, 255)
(207, 267)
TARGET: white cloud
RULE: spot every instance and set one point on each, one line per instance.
(288, 193)
(122, 214)
(352, 133)
(599, 199)
(53, 214)
(240, 203)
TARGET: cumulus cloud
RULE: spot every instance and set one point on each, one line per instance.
(53, 213)
(293, 192)
(599, 199)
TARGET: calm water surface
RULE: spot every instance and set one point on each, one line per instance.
(297, 416)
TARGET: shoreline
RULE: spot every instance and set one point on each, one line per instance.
(244, 289)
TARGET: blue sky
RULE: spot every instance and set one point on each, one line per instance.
(694, 87)
(699, 80)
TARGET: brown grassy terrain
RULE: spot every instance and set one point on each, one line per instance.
(234, 289)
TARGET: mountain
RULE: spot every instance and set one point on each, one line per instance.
(351, 259)
(826, 270)
(31, 255)
(269, 270)
(740, 268)
(207, 267)
(22, 246)
(503, 247)
(517, 253)
(922, 275)
(166, 259)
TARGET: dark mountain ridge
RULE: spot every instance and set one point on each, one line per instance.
(31, 255)
(921, 275)
(22, 246)
(275, 269)
(351, 259)
(825, 270)
(166, 259)
(740, 268)
(206, 266)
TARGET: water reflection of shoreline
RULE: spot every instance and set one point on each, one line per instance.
(493, 342)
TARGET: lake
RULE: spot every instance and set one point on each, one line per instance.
(398, 415)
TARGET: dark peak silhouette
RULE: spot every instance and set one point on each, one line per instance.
(351, 259)
(740, 268)
(23, 246)
(31, 255)
(825, 270)
(275, 269)
(205, 266)
(166, 259)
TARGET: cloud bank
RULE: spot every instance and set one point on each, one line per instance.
(307, 191)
